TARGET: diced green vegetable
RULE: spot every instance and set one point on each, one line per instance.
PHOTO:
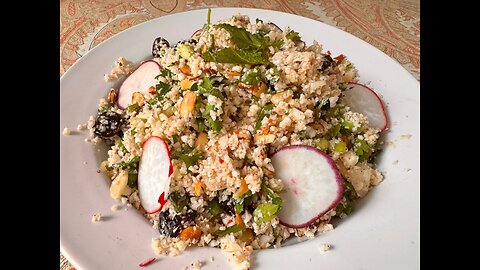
(214, 207)
(179, 201)
(265, 212)
(340, 147)
(322, 143)
(347, 125)
(232, 229)
(132, 180)
(185, 50)
(169, 111)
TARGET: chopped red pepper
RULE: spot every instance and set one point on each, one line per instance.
(339, 58)
(147, 262)
(221, 160)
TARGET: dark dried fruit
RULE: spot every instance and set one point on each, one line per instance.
(228, 207)
(168, 225)
(189, 41)
(327, 62)
(158, 43)
(108, 124)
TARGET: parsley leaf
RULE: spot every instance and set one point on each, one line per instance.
(229, 55)
(293, 36)
(264, 112)
(206, 87)
(188, 155)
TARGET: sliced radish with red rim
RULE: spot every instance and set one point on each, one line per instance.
(139, 81)
(154, 173)
(312, 181)
(362, 99)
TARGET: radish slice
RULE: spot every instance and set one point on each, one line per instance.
(139, 81)
(364, 100)
(313, 184)
(154, 173)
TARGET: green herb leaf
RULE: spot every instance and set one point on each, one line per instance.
(175, 138)
(232, 229)
(188, 155)
(132, 107)
(214, 207)
(277, 200)
(179, 201)
(122, 147)
(162, 88)
(265, 111)
(132, 180)
(229, 55)
(129, 164)
(265, 212)
(239, 207)
(251, 77)
(206, 87)
(244, 39)
(133, 132)
(293, 36)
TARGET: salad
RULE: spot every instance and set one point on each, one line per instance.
(240, 137)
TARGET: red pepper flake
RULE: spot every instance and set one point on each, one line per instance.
(147, 262)
(221, 160)
(339, 58)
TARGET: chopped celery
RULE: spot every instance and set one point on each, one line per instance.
(340, 147)
(322, 144)
(265, 212)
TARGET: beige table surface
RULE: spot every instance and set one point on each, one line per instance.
(392, 26)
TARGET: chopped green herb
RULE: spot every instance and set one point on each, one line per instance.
(122, 147)
(277, 200)
(263, 112)
(166, 73)
(335, 130)
(244, 39)
(206, 87)
(265, 212)
(132, 107)
(239, 207)
(251, 77)
(132, 180)
(212, 42)
(162, 88)
(126, 165)
(133, 132)
(188, 155)
(179, 201)
(293, 36)
(209, 13)
(232, 229)
(214, 207)
(175, 138)
(229, 55)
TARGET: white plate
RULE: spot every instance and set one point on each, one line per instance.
(383, 232)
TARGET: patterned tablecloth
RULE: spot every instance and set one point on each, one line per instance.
(392, 26)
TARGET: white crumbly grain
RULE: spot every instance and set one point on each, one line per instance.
(197, 264)
(115, 207)
(66, 132)
(81, 127)
(324, 247)
(97, 217)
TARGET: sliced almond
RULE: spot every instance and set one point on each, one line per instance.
(138, 98)
(188, 103)
(119, 184)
